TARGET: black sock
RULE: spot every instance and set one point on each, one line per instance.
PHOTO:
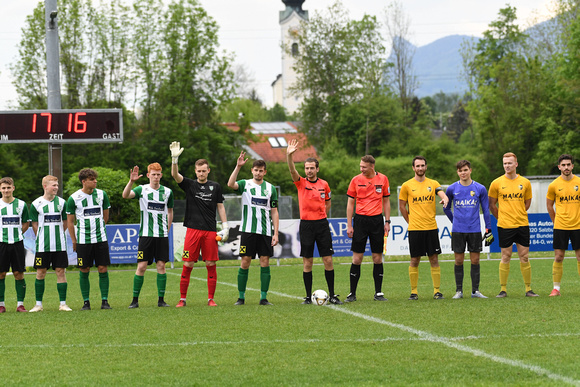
(458, 278)
(378, 271)
(329, 275)
(135, 299)
(307, 276)
(354, 277)
(475, 278)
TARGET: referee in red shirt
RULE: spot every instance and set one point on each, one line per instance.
(370, 190)
(314, 203)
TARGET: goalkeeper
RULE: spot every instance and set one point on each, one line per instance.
(465, 197)
(202, 198)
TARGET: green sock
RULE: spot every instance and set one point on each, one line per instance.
(39, 288)
(265, 281)
(61, 287)
(85, 285)
(2, 289)
(137, 284)
(20, 286)
(161, 284)
(104, 285)
(242, 282)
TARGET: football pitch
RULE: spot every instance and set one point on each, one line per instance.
(513, 341)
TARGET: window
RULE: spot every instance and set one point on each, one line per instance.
(278, 142)
(295, 51)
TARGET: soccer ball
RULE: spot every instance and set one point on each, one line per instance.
(320, 297)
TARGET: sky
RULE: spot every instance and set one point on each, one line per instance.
(250, 29)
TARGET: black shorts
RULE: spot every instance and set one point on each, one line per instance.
(371, 227)
(315, 231)
(460, 239)
(93, 254)
(58, 259)
(12, 255)
(153, 248)
(561, 238)
(252, 244)
(424, 243)
(508, 236)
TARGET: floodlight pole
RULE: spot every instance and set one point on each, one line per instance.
(53, 85)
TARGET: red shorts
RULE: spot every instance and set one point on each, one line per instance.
(196, 240)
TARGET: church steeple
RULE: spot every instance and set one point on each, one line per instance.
(293, 6)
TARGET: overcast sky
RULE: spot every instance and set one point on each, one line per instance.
(250, 28)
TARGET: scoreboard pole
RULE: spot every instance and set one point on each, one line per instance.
(53, 85)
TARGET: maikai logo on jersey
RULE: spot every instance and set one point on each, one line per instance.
(516, 196)
(570, 199)
(378, 188)
(423, 199)
(466, 203)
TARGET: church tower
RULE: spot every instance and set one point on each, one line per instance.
(290, 20)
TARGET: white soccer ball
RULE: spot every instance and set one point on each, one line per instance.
(320, 297)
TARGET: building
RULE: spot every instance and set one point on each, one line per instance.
(290, 20)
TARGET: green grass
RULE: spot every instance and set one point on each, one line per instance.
(516, 340)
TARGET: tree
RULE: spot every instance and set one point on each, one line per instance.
(401, 75)
(342, 62)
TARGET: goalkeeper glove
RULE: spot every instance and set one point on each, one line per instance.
(488, 237)
(176, 150)
(225, 232)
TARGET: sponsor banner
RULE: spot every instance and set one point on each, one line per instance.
(541, 233)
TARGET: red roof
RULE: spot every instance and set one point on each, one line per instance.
(278, 154)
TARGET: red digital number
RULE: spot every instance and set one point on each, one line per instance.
(48, 124)
(79, 126)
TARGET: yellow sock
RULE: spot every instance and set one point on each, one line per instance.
(504, 272)
(578, 267)
(526, 269)
(414, 278)
(436, 277)
(557, 272)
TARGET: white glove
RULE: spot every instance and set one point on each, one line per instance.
(225, 232)
(176, 150)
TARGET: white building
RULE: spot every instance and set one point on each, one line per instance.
(290, 20)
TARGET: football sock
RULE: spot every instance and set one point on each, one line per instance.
(436, 277)
(39, 289)
(329, 275)
(20, 286)
(85, 285)
(211, 280)
(242, 282)
(378, 271)
(504, 272)
(104, 285)
(184, 282)
(307, 277)
(137, 284)
(354, 277)
(264, 281)
(578, 263)
(458, 270)
(475, 275)
(414, 278)
(161, 284)
(526, 270)
(2, 289)
(61, 288)
(557, 272)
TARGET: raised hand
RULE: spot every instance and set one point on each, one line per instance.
(292, 147)
(134, 174)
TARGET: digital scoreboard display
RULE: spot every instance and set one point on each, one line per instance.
(61, 126)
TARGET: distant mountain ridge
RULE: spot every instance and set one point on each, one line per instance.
(438, 66)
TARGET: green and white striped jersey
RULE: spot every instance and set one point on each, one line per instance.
(49, 215)
(257, 203)
(153, 206)
(88, 209)
(11, 217)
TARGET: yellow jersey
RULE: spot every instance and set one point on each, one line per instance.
(511, 196)
(421, 198)
(566, 196)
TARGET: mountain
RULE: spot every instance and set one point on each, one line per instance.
(438, 66)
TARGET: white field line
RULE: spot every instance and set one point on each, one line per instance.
(426, 336)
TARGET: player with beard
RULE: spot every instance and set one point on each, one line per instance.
(465, 197)
(419, 195)
(314, 201)
(513, 194)
(563, 193)
(260, 223)
(203, 198)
